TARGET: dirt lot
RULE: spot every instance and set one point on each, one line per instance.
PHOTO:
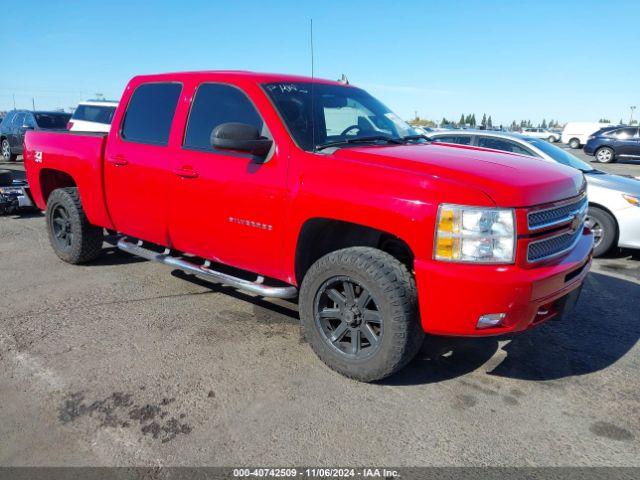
(123, 362)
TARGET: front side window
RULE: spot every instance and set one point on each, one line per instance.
(215, 104)
(150, 113)
(503, 145)
(340, 114)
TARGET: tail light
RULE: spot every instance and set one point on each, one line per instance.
(69, 125)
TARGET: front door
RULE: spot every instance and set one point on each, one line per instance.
(227, 206)
(137, 176)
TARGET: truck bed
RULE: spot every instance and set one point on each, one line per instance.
(63, 158)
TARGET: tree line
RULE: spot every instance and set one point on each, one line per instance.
(469, 120)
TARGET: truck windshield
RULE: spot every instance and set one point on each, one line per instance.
(342, 114)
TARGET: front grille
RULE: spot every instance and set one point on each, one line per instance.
(552, 246)
(549, 217)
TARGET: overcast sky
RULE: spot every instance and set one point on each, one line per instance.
(566, 60)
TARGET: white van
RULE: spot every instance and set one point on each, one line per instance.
(575, 134)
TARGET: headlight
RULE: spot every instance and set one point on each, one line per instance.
(475, 234)
(635, 201)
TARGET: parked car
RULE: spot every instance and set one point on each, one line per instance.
(542, 133)
(612, 143)
(93, 116)
(17, 122)
(14, 193)
(381, 235)
(575, 134)
(613, 215)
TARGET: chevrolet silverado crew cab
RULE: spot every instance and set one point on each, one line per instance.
(287, 186)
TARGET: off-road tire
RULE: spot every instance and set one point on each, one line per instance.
(86, 241)
(394, 292)
(608, 227)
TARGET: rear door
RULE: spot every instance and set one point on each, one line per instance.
(625, 141)
(15, 138)
(227, 206)
(136, 167)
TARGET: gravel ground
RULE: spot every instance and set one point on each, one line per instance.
(123, 362)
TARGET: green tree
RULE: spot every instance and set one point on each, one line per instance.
(473, 120)
(514, 125)
(489, 122)
(483, 122)
(461, 122)
(544, 123)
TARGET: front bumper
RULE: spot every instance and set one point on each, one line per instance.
(453, 296)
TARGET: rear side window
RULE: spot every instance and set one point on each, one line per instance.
(150, 113)
(459, 139)
(94, 113)
(213, 105)
(54, 121)
(504, 145)
(624, 133)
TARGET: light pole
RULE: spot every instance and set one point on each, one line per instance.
(631, 116)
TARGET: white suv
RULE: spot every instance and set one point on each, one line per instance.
(541, 133)
(93, 116)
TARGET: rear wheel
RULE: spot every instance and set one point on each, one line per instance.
(71, 235)
(604, 229)
(358, 309)
(551, 139)
(5, 148)
(574, 143)
(605, 155)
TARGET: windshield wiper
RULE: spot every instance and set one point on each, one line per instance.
(371, 138)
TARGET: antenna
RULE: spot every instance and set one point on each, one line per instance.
(313, 110)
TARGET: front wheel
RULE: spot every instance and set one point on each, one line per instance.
(603, 226)
(574, 143)
(605, 155)
(6, 151)
(359, 313)
(551, 139)
(71, 235)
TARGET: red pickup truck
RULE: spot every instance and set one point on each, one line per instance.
(287, 186)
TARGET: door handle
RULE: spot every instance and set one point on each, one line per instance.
(118, 160)
(186, 172)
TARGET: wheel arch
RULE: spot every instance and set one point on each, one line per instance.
(52, 179)
(611, 214)
(319, 236)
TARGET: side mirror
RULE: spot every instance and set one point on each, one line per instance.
(242, 137)
(28, 127)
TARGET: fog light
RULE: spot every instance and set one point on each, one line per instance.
(490, 320)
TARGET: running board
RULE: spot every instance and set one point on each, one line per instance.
(256, 287)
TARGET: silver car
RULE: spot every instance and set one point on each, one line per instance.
(614, 200)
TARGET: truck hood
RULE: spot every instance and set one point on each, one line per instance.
(628, 185)
(510, 180)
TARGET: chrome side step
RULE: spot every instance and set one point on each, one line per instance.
(204, 271)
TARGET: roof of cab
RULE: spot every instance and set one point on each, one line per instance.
(231, 75)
